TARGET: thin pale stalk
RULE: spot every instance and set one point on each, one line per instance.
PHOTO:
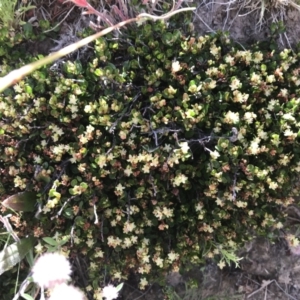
(16, 75)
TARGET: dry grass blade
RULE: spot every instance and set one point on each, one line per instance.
(265, 284)
(16, 75)
(291, 297)
(8, 227)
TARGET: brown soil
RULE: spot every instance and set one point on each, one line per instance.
(246, 22)
(267, 271)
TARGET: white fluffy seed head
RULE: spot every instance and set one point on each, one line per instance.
(51, 269)
(110, 292)
(64, 291)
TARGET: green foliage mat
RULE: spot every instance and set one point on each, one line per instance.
(162, 149)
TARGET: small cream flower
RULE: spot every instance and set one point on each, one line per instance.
(270, 78)
(231, 118)
(37, 159)
(176, 66)
(214, 154)
(235, 84)
(249, 117)
(128, 227)
(273, 185)
(221, 264)
(51, 269)
(143, 283)
(257, 57)
(172, 256)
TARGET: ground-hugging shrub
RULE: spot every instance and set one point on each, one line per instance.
(163, 149)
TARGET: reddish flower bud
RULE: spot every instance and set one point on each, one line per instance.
(81, 3)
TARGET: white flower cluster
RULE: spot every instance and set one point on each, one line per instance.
(53, 271)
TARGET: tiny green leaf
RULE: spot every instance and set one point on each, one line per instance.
(50, 241)
(119, 287)
(27, 297)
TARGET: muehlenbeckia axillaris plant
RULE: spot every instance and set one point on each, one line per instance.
(153, 165)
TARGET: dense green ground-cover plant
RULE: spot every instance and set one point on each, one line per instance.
(162, 149)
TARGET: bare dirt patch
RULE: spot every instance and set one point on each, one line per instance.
(267, 271)
(248, 21)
